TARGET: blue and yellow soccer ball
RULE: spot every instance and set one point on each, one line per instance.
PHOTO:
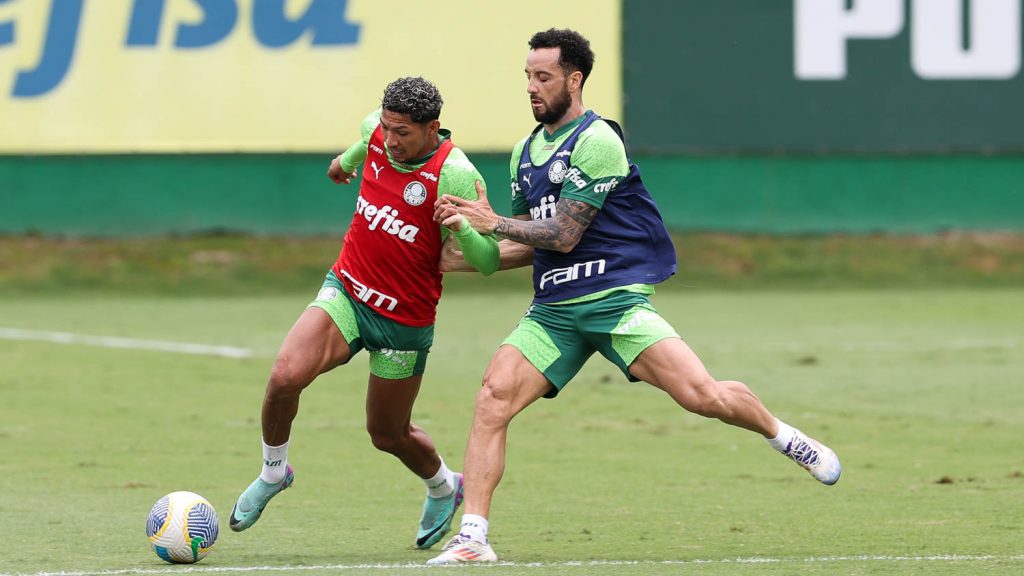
(182, 527)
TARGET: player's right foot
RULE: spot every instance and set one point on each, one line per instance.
(461, 548)
(814, 457)
(251, 503)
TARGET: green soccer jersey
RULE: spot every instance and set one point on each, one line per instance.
(599, 154)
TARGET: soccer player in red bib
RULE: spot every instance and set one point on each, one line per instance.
(381, 295)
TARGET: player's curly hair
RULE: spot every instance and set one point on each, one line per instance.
(414, 96)
(574, 54)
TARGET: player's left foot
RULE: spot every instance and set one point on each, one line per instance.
(437, 516)
(814, 457)
(461, 548)
(251, 503)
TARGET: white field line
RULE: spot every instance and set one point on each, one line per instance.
(236, 352)
(126, 343)
(535, 565)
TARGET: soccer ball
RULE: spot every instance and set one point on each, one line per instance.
(182, 527)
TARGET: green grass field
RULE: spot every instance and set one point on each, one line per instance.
(919, 391)
(267, 265)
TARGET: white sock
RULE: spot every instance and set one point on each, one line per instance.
(441, 484)
(784, 437)
(275, 463)
(475, 527)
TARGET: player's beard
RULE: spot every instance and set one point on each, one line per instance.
(555, 109)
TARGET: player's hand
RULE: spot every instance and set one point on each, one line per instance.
(455, 222)
(478, 213)
(337, 175)
(447, 214)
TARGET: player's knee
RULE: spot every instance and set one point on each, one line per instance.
(386, 440)
(706, 398)
(494, 402)
(286, 379)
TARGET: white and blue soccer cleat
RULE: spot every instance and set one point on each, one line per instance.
(462, 549)
(438, 514)
(814, 457)
(254, 499)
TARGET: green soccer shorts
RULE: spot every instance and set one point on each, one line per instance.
(396, 351)
(559, 338)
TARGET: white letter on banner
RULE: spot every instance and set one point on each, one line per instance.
(822, 27)
(992, 49)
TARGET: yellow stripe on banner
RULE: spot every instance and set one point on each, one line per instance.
(235, 75)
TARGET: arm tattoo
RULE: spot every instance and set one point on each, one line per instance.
(560, 233)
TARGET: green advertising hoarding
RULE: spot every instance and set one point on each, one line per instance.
(823, 75)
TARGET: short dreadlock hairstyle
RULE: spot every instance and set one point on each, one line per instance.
(574, 54)
(414, 96)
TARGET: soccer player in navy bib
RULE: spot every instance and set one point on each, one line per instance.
(381, 294)
(598, 245)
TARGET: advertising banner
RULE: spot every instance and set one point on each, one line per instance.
(115, 76)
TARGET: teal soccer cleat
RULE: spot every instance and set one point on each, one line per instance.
(251, 503)
(438, 514)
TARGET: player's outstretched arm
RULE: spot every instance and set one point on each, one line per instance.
(479, 252)
(513, 254)
(475, 251)
(560, 233)
(510, 255)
